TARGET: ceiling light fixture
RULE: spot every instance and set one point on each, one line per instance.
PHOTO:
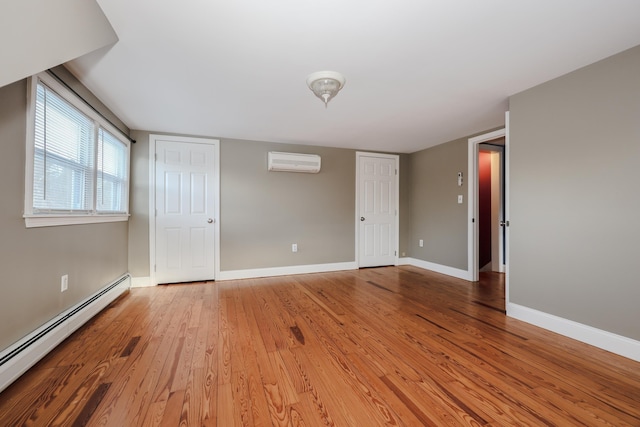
(325, 84)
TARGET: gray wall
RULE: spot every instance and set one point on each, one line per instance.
(436, 216)
(139, 206)
(575, 198)
(263, 213)
(33, 260)
(405, 205)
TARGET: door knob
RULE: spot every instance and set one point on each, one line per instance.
(210, 220)
(361, 218)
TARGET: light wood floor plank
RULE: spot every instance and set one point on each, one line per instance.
(392, 346)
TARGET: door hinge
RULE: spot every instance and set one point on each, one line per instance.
(156, 212)
(396, 172)
(154, 267)
(395, 253)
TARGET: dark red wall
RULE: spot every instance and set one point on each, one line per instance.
(484, 208)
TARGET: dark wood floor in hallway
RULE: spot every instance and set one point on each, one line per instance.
(396, 346)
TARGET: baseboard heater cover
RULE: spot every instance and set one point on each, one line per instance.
(19, 357)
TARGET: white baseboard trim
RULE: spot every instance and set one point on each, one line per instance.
(17, 358)
(614, 343)
(284, 271)
(141, 282)
(438, 268)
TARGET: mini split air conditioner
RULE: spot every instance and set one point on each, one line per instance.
(293, 162)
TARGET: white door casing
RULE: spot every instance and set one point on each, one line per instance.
(376, 209)
(507, 216)
(184, 234)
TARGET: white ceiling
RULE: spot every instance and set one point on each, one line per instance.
(419, 72)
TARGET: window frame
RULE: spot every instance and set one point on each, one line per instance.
(93, 215)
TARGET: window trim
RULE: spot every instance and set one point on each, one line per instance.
(48, 219)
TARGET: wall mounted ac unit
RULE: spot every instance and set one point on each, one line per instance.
(293, 162)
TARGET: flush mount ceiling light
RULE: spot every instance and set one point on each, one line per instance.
(325, 84)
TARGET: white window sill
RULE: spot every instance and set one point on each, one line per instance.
(57, 220)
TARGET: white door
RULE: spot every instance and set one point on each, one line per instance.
(185, 206)
(377, 210)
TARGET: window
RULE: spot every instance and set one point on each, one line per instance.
(77, 163)
(112, 173)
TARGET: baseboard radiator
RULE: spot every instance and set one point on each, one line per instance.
(15, 360)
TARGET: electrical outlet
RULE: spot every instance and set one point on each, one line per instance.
(64, 283)
(421, 243)
(294, 247)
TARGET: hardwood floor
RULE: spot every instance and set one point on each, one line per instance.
(395, 346)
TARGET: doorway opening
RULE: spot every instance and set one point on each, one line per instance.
(495, 138)
(491, 250)
(496, 146)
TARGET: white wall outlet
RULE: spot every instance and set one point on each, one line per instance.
(64, 283)
(294, 247)
(460, 198)
(421, 243)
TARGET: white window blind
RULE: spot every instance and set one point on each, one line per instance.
(77, 164)
(112, 173)
(63, 157)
